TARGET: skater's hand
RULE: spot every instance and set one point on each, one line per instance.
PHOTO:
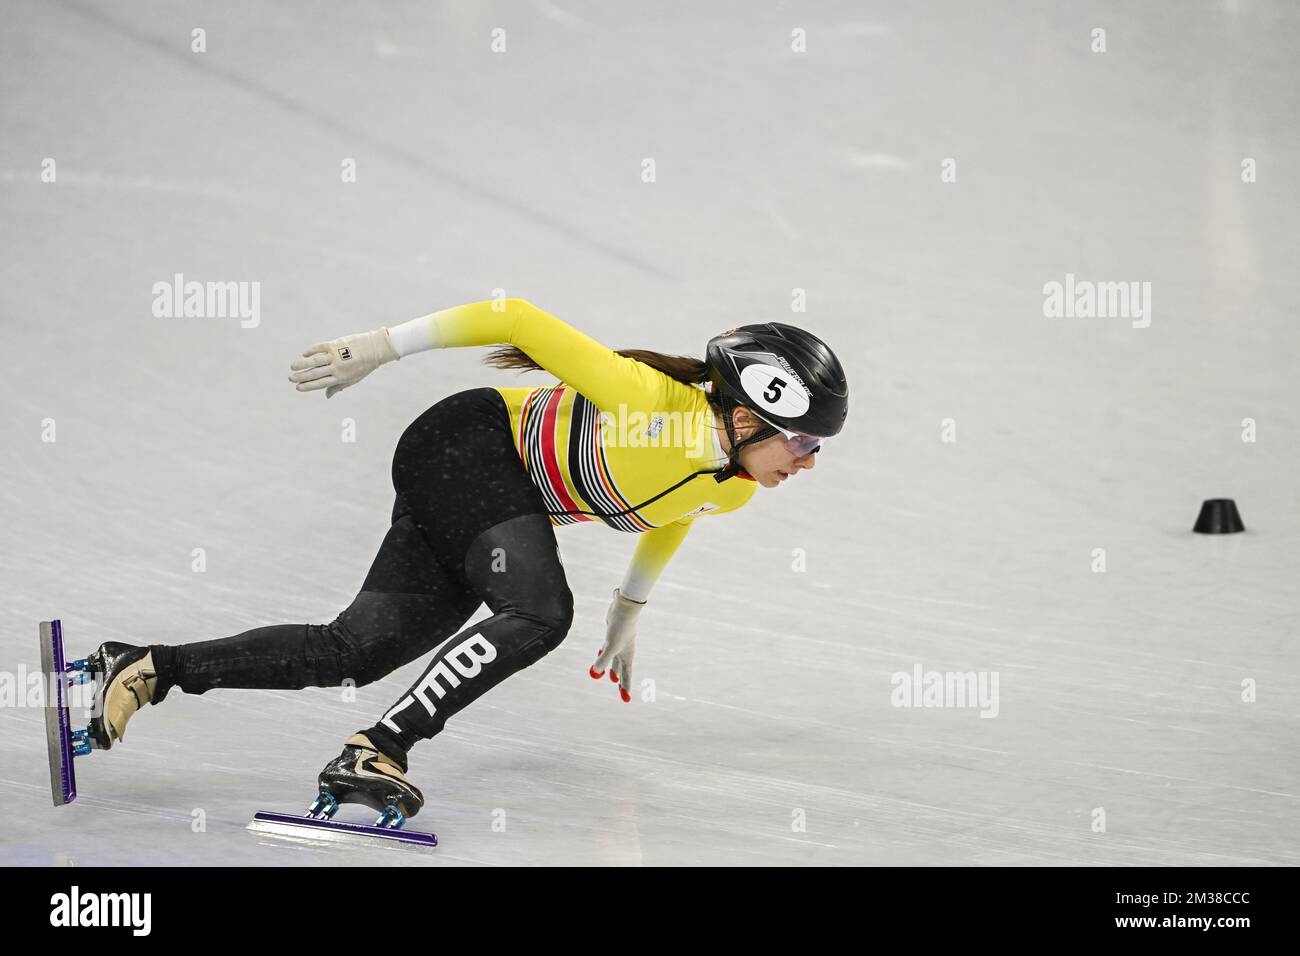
(335, 365)
(620, 644)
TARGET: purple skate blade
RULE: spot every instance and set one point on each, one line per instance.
(288, 824)
(58, 735)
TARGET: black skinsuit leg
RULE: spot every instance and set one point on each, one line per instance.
(468, 527)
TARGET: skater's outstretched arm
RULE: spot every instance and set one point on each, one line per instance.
(606, 378)
(654, 549)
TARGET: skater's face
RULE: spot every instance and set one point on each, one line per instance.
(769, 461)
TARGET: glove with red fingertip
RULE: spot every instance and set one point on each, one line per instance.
(620, 644)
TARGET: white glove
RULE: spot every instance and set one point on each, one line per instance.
(620, 643)
(335, 365)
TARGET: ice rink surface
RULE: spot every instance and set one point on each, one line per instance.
(1158, 695)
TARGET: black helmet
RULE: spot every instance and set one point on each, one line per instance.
(788, 377)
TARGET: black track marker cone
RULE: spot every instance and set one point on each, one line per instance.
(1218, 516)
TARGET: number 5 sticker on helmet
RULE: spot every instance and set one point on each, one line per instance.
(774, 391)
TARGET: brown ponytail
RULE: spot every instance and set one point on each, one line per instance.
(684, 368)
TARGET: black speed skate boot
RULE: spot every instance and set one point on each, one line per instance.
(125, 680)
(361, 774)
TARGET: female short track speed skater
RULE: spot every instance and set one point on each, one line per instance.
(642, 441)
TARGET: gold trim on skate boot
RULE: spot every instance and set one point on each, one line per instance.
(361, 740)
(131, 689)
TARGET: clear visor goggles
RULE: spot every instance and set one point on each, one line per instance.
(796, 443)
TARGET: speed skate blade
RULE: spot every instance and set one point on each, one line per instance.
(58, 735)
(334, 831)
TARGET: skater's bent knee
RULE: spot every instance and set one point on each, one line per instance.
(343, 655)
(557, 611)
(551, 617)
